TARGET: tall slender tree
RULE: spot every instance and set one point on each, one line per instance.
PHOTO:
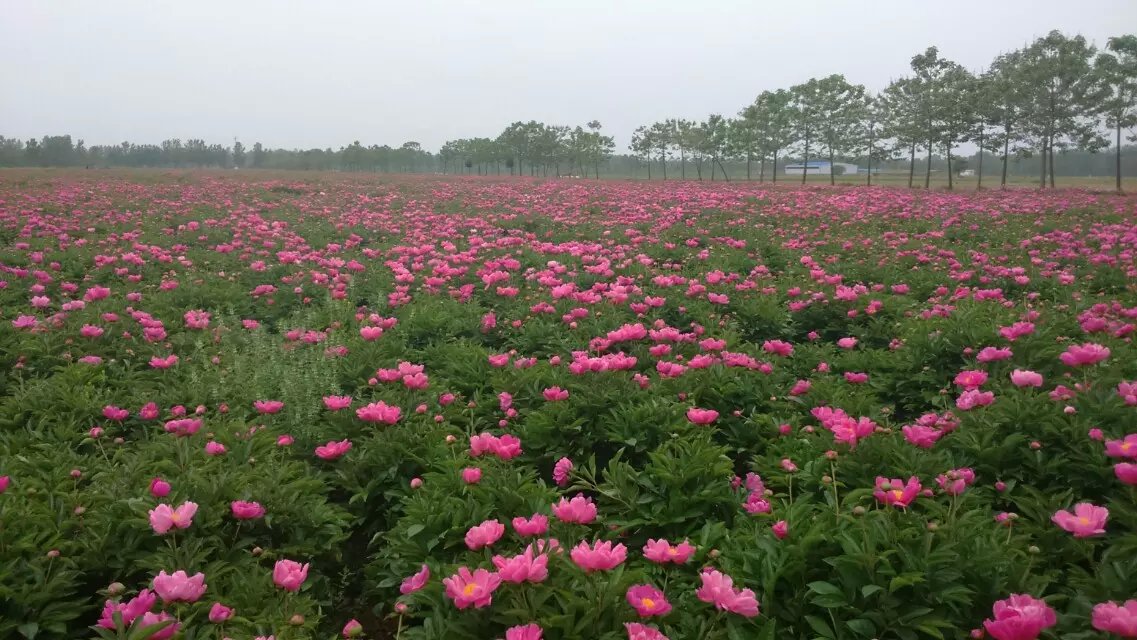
(1117, 70)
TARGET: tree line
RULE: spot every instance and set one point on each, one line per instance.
(1058, 95)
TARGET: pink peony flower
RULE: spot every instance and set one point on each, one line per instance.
(1128, 392)
(895, 492)
(333, 450)
(471, 475)
(214, 448)
(1020, 617)
(246, 510)
(379, 412)
(601, 556)
(466, 588)
(718, 589)
(289, 574)
(219, 613)
(1120, 620)
(555, 394)
(702, 416)
(972, 398)
(335, 403)
(531, 631)
(268, 407)
(415, 581)
(1087, 520)
(484, 534)
(579, 510)
(536, 525)
(972, 379)
(526, 567)
(1126, 472)
(179, 587)
(637, 631)
(159, 488)
(1124, 448)
(648, 601)
(163, 518)
(136, 607)
(1080, 355)
(561, 471)
(781, 529)
(1021, 378)
(661, 551)
(352, 629)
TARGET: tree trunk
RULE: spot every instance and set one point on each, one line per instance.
(979, 185)
(723, 169)
(832, 174)
(805, 164)
(911, 165)
(748, 167)
(1006, 150)
(649, 169)
(1117, 157)
(868, 160)
(1042, 178)
(762, 170)
(774, 168)
(597, 167)
(683, 164)
(928, 169)
(1050, 145)
(663, 161)
(950, 180)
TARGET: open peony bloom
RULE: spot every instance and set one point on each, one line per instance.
(1020, 617)
(531, 631)
(379, 412)
(536, 525)
(163, 518)
(484, 534)
(1080, 355)
(648, 601)
(1087, 520)
(637, 631)
(561, 471)
(471, 589)
(179, 587)
(662, 551)
(1021, 378)
(526, 567)
(579, 510)
(289, 574)
(718, 589)
(601, 556)
(895, 492)
(333, 450)
(415, 581)
(246, 510)
(702, 416)
(136, 607)
(1120, 620)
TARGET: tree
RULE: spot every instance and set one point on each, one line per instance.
(662, 136)
(715, 141)
(1062, 97)
(840, 111)
(258, 155)
(238, 154)
(1002, 105)
(900, 106)
(806, 115)
(773, 121)
(643, 145)
(1117, 70)
(935, 79)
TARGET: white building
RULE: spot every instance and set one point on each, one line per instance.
(821, 168)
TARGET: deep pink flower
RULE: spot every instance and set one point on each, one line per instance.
(415, 581)
(163, 518)
(1021, 378)
(536, 525)
(335, 403)
(661, 551)
(1020, 617)
(972, 398)
(971, 379)
(778, 348)
(1087, 520)
(718, 589)
(781, 529)
(1120, 620)
(379, 412)
(896, 492)
(352, 629)
(136, 607)
(1128, 392)
(246, 510)
(466, 588)
(531, 631)
(921, 436)
(179, 587)
(555, 394)
(219, 613)
(471, 475)
(637, 631)
(1078, 355)
(159, 488)
(289, 574)
(333, 450)
(526, 567)
(1124, 448)
(214, 448)
(484, 534)
(648, 601)
(579, 510)
(702, 416)
(561, 471)
(601, 556)
(1126, 472)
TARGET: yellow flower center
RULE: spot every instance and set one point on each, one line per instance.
(1084, 520)
(1126, 446)
(648, 603)
(673, 552)
(468, 590)
(897, 494)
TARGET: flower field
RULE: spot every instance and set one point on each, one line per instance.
(470, 408)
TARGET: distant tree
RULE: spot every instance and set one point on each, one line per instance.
(643, 145)
(806, 108)
(900, 107)
(1117, 70)
(662, 136)
(1062, 97)
(258, 155)
(238, 154)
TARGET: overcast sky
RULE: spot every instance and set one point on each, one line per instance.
(324, 73)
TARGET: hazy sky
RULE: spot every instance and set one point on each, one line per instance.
(324, 73)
